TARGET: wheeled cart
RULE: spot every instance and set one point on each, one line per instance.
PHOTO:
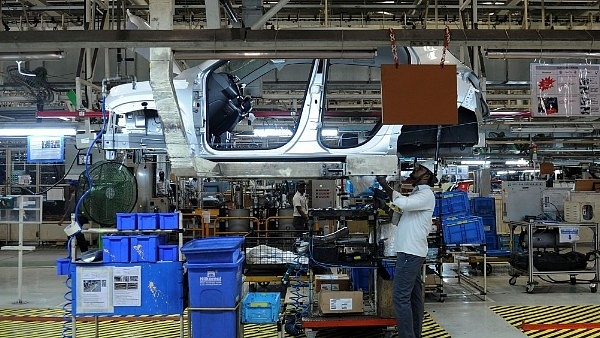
(533, 230)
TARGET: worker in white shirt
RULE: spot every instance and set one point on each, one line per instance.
(411, 247)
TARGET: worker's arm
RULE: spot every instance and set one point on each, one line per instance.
(386, 187)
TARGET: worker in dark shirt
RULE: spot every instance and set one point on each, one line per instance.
(70, 206)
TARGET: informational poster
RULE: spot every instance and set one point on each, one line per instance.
(45, 149)
(94, 289)
(568, 235)
(126, 282)
(565, 90)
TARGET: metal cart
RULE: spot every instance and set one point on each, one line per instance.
(531, 270)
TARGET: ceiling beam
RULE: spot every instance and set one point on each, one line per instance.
(217, 40)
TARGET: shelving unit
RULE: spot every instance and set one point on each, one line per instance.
(28, 211)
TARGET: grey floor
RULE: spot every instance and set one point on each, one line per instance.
(462, 314)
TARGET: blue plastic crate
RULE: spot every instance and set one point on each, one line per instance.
(489, 223)
(115, 249)
(126, 221)
(504, 241)
(213, 249)
(216, 285)
(463, 230)
(483, 206)
(168, 252)
(63, 266)
(491, 241)
(362, 279)
(261, 307)
(168, 220)
(452, 203)
(144, 248)
(147, 221)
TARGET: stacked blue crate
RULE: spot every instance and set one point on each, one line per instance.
(458, 226)
(485, 207)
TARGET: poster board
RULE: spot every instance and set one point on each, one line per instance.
(565, 90)
(419, 94)
(42, 149)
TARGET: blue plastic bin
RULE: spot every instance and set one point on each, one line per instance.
(168, 221)
(63, 266)
(483, 206)
(261, 307)
(217, 285)
(116, 249)
(213, 250)
(168, 253)
(147, 221)
(144, 248)
(489, 223)
(126, 221)
(361, 279)
(463, 230)
(214, 323)
(491, 241)
(452, 203)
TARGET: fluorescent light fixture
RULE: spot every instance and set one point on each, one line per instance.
(517, 162)
(12, 132)
(474, 162)
(329, 132)
(505, 172)
(384, 13)
(297, 54)
(29, 56)
(498, 54)
(552, 129)
(270, 132)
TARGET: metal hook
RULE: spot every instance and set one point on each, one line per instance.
(21, 72)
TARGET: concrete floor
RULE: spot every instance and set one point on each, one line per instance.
(462, 314)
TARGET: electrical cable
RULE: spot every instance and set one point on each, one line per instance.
(300, 307)
(67, 329)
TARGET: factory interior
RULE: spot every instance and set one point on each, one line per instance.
(153, 153)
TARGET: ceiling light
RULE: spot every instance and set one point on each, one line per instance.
(498, 54)
(517, 162)
(270, 132)
(298, 54)
(329, 132)
(551, 129)
(29, 56)
(474, 162)
(12, 132)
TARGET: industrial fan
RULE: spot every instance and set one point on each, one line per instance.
(114, 190)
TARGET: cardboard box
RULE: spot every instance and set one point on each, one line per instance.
(336, 302)
(332, 282)
(360, 226)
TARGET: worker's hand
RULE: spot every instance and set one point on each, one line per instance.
(60, 223)
(381, 180)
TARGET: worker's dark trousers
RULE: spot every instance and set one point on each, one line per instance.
(408, 295)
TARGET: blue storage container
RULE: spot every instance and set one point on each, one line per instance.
(214, 323)
(213, 249)
(491, 241)
(361, 279)
(261, 307)
(168, 252)
(390, 267)
(147, 221)
(452, 203)
(63, 266)
(115, 249)
(463, 230)
(483, 206)
(489, 223)
(217, 285)
(160, 285)
(504, 241)
(144, 248)
(168, 220)
(126, 221)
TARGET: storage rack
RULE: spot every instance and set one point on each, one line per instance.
(314, 322)
(532, 272)
(104, 231)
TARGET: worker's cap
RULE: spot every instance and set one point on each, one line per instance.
(428, 164)
(301, 182)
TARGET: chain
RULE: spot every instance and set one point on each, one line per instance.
(394, 48)
(446, 44)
